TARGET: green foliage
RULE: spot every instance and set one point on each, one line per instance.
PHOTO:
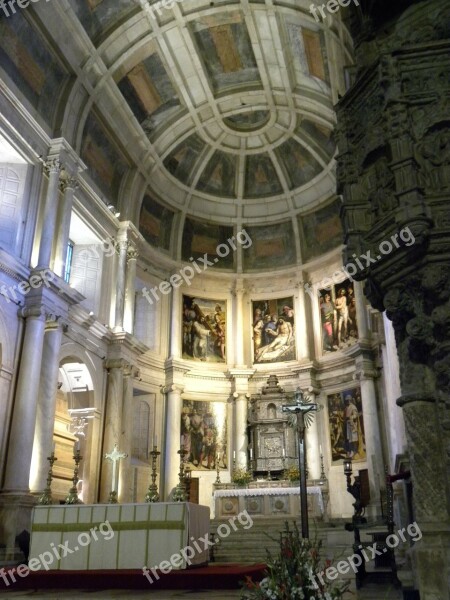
(291, 575)
(241, 476)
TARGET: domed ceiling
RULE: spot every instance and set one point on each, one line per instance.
(235, 103)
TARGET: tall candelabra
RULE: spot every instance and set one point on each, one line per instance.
(72, 496)
(46, 497)
(179, 495)
(217, 482)
(152, 492)
(323, 477)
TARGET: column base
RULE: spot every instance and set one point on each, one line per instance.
(431, 559)
(15, 518)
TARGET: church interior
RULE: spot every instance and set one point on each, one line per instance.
(225, 289)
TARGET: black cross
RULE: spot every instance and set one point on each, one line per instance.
(302, 410)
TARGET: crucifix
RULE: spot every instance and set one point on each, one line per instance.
(114, 457)
(302, 409)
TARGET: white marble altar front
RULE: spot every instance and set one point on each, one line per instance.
(273, 501)
(128, 536)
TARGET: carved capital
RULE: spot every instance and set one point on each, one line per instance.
(32, 312)
(52, 165)
(68, 183)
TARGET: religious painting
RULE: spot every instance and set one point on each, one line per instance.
(338, 316)
(299, 163)
(204, 434)
(273, 330)
(200, 237)
(155, 223)
(271, 248)
(204, 329)
(320, 231)
(346, 422)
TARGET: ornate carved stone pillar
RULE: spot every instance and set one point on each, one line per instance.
(393, 172)
(45, 415)
(21, 436)
(52, 168)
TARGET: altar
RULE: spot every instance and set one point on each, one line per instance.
(112, 536)
(269, 500)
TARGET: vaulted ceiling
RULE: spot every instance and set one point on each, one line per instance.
(224, 107)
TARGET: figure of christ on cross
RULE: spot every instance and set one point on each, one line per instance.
(302, 411)
(114, 457)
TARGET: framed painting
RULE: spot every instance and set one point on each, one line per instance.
(204, 329)
(346, 423)
(273, 330)
(204, 434)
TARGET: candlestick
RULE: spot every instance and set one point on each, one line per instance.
(217, 481)
(46, 498)
(72, 496)
(323, 477)
(179, 495)
(152, 492)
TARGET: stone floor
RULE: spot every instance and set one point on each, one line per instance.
(371, 592)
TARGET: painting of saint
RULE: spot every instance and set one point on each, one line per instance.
(338, 316)
(346, 425)
(204, 434)
(273, 330)
(204, 329)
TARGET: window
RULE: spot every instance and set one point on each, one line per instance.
(69, 258)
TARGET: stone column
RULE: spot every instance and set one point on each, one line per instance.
(361, 312)
(45, 416)
(52, 167)
(176, 325)
(312, 444)
(21, 437)
(239, 328)
(130, 289)
(126, 437)
(171, 459)
(113, 421)
(374, 452)
(68, 187)
(122, 249)
(240, 431)
(301, 329)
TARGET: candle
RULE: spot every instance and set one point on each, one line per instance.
(284, 453)
(251, 452)
(53, 448)
(234, 454)
(156, 440)
(320, 449)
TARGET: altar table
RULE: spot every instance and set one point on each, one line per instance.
(267, 502)
(143, 534)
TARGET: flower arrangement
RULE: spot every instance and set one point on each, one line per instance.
(241, 476)
(293, 474)
(292, 574)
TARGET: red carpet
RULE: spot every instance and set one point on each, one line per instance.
(222, 577)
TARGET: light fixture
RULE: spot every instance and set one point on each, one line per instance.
(348, 467)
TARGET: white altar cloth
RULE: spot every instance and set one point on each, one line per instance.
(272, 491)
(143, 534)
